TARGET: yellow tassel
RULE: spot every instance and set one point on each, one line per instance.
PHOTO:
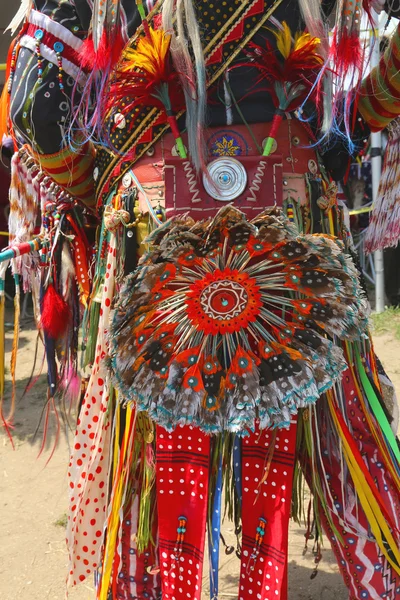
(378, 440)
(4, 106)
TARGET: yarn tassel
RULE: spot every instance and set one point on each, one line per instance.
(146, 483)
(71, 384)
(377, 409)
(5, 95)
(55, 313)
(384, 225)
(92, 319)
(122, 464)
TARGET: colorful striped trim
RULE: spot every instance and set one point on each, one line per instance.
(379, 100)
(56, 29)
(72, 171)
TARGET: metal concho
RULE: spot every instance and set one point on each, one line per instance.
(229, 178)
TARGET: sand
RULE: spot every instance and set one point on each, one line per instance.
(33, 499)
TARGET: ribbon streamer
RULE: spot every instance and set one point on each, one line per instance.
(214, 532)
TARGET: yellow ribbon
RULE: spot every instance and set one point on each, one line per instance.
(367, 499)
(120, 470)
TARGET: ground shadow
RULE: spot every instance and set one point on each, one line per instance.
(324, 586)
(33, 423)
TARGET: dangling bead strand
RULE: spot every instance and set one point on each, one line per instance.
(181, 530)
(260, 532)
(12, 70)
(38, 37)
(58, 48)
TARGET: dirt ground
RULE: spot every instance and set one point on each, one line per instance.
(33, 500)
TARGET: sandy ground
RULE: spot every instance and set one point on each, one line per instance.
(33, 500)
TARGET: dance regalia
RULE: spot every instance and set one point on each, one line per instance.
(225, 330)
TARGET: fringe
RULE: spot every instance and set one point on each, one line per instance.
(24, 212)
(384, 227)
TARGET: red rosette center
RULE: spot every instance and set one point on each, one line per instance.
(223, 302)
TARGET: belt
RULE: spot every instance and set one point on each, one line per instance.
(234, 153)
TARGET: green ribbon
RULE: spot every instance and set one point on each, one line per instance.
(376, 406)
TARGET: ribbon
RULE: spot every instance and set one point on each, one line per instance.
(376, 407)
(368, 495)
(214, 532)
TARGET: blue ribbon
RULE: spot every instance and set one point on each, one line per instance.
(214, 534)
(237, 466)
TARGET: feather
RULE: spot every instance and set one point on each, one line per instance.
(145, 77)
(284, 40)
(67, 271)
(22, 13)
(291, 73)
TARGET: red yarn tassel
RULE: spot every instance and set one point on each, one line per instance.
(107, 54)
(55, 313)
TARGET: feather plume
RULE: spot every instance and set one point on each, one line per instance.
(291, 72)
(146, 77)
(145, 74)
(99, 54)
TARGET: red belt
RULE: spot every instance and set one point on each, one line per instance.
(165, 176)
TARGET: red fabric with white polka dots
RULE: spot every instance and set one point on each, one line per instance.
(183, 458)
(265, 578)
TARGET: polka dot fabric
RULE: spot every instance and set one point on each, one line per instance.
(264, 577)
(365, 571)
(183, 458)
(89, 467)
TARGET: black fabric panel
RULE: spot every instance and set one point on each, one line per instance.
(45, 123)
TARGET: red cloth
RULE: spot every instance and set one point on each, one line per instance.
(183, 458)
(266, 578)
